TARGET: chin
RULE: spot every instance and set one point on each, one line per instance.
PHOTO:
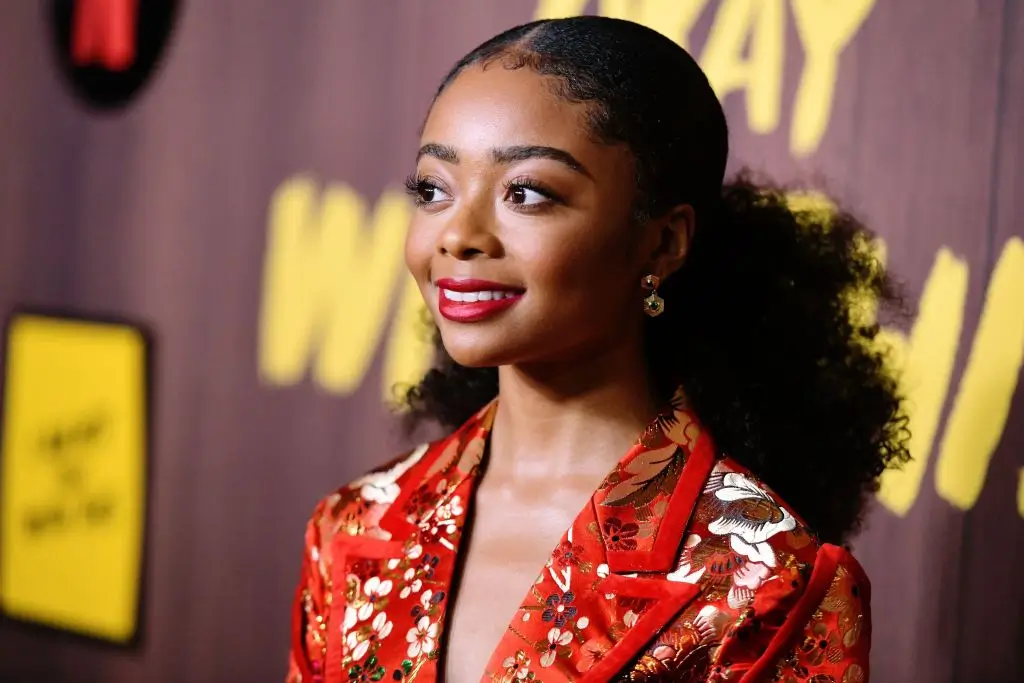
(479, 349)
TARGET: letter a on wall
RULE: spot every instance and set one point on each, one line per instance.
(73, 474)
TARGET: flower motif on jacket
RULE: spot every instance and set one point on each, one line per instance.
(619, 535)
(685, 570)
(382, 486)
(736, 552)
(749, 516)
(376, 593)
(557, 646)
(359, 642)
(568, 554)
(422, 637)
(516, 668)
(559, 608)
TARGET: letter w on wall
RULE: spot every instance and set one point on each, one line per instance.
(330, 274)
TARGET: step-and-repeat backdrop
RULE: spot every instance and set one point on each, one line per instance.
(225, 176)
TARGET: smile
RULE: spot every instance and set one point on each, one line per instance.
(470, 297)
(467, 301)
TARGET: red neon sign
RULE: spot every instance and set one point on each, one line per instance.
(103, 32)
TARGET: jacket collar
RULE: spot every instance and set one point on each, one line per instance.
(647, 485)
(448, 465)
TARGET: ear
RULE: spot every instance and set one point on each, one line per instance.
(673, 233)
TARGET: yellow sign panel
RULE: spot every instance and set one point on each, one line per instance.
(72, 477)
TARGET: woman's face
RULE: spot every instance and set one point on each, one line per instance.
(522, 243)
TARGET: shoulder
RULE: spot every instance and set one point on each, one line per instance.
(742, 533)
(774, 600)
(355, 508)
(411, 481)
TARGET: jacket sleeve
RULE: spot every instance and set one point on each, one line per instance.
(802, 627)
(310, 610)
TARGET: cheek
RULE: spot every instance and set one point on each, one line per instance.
(587, 265)
(419, 249)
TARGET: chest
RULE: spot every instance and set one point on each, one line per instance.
(506, 551)
(568, 586)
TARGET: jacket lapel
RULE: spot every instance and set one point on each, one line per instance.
(610, 587)
(394, 584)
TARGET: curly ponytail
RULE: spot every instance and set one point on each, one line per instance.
(764, 325)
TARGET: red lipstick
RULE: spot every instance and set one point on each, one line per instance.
(467, 301)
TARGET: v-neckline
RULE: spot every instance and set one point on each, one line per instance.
(664, 421)
(628, 536)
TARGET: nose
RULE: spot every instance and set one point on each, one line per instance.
(469, 234)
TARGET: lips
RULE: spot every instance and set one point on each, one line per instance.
(475, 300)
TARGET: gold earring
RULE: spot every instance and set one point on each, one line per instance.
(654, 305)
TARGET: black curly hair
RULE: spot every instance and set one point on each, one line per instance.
(765, 328)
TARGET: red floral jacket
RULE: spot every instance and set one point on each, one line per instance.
(683, 567)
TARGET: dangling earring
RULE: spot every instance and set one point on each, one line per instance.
(654, 305)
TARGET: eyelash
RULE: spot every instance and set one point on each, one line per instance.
(531, 184)
(415, 185)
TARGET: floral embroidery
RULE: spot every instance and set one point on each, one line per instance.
(678, 424)
(620, 536)
(428, 604)
(370, 671)
(754, 518)
(593, 651)
(644, 478)
(556, 646)
(427, 565)
(413, 584)
(422, 637)
(685, 571)
(568, 554)
(382, 487)
(559, 608)
(745, 556)
(517, 667)
(822, 645)
(450, 510)
(376, 592)
(359, 642)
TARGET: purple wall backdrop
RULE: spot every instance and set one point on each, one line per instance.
(163, 211)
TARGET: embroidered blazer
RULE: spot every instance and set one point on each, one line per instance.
(682, 567)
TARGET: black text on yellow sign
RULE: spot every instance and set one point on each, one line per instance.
(72, 479)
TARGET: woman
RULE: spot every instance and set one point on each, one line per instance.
(629, 351)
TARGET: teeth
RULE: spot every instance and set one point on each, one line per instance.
(470, 297)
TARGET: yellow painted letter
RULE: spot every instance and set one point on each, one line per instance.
(825, 28)
(989, 382)
(671, 18)
(1020, 493)
(763, 22)
(927, 364)
(327, 282)
(409, 349)
(558, 9)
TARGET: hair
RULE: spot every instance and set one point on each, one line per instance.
(765, 325)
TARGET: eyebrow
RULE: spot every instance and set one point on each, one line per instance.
(507, 155)
(445, 153)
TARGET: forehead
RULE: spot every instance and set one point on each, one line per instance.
(506, 106)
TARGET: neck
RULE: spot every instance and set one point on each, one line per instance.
(567, 418)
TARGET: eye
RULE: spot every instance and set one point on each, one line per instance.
(424, 191)
(520, 194)
(526, 193)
